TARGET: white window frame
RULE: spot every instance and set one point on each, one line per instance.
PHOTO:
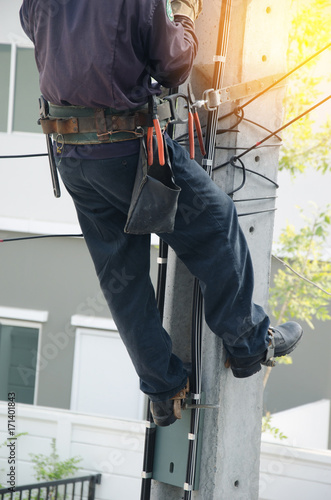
(26, 318)
(12, 78)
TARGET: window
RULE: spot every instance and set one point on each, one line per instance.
(18, 361)
(19, 89)
(26, 107)
(20, 332)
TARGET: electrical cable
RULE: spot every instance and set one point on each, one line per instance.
(228, 148)
(197, 318)
(239, 113)
(39, 237)
(232, 162)
(279, 80)
(289, 73)
(6, 157)
(285, 264)
(263, 127)
(283, 127)
(254, 172)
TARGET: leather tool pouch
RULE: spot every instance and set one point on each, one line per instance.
(155, 196)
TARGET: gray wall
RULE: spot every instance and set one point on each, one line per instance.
(56, 275)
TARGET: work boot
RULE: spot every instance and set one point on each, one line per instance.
(283, 339)
(167, 412)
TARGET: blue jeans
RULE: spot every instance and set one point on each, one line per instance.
(207, 238)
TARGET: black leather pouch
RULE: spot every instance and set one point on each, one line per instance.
(155, 195)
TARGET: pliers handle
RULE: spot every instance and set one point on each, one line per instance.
(158, 133)
(193, 119)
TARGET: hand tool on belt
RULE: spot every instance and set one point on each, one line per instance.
(191, 120)
(152, 110)
(43, 113)
(194, 117)
(81, 125)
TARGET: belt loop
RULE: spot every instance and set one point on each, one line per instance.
(101, 125)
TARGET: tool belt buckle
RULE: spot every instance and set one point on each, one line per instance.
(139, 132)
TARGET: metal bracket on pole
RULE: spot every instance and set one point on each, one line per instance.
(214, 98)
(192, 406)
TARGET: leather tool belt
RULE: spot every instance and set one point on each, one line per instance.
(81, 125)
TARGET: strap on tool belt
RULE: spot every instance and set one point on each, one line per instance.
(101, 121)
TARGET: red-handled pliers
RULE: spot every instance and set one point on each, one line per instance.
(152, 107)
(193, 119)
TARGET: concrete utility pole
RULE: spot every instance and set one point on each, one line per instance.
(231, 435)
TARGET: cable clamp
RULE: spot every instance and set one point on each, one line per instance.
(150, 425)
(162, 260)
(191, 436)
(221, 59)
(207, 162)
(146, 475)
(195, 396)
(188, 487)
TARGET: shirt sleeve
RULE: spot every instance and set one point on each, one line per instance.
(172, 46)
(24, 18)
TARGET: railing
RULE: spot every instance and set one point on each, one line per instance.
(78, 488)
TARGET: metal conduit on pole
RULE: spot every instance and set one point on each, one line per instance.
(150, 426)
(218, 77)
(197, 320)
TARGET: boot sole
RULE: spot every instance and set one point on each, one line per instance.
(247, 371)
(164, 422)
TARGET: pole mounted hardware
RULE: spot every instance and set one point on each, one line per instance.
(211, 98)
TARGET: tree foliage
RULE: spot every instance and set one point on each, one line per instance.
(50, 468)
(307, 142)
(303, 250)
(270, 429)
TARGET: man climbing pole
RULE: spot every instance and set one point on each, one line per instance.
(96, 62)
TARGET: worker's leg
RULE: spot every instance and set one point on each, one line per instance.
(101, 190)
(208, 239)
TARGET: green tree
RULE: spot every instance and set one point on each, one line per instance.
(302, 288)
(307, 142)
(47, 468)
(50, 468)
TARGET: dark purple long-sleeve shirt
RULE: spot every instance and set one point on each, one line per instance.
(102, 53)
